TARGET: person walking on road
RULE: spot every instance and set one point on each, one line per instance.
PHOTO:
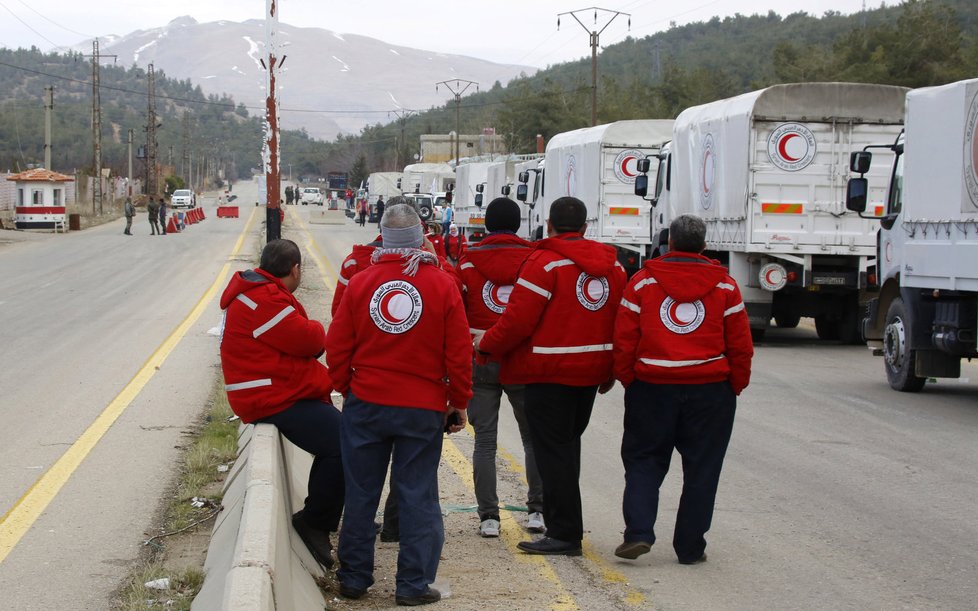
(269, 352)
(555, 336)
(362, 210)
(447, 217)
(153, 210)
(398, 402)
(488, 273)
(288, 195)
(683, 353)
(380, 208)
(130, 211)
(455, 244)
(162, 216)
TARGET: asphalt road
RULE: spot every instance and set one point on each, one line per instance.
(837, 492)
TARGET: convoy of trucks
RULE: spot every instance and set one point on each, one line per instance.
(923, 319)
(767, 171)
(770, 172)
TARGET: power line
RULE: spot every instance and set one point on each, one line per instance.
(53, 22)
(27, 25)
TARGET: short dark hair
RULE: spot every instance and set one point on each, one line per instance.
(687, 233)
(279, 257)
(568, 214)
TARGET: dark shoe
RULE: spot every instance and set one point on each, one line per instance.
(389, 536)
(316, 539)
(431, 596)
(548, 546)
(631, 550)
(352, 593)
(699, 560)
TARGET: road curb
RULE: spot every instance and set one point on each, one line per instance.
(255, 560)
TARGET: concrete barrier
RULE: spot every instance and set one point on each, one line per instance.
(255, 560)
(327, 217)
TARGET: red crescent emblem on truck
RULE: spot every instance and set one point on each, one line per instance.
(625, 165)
(783, 147)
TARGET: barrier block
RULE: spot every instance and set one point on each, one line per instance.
(171, 226)
(227, 212)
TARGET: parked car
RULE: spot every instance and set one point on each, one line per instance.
(423, 204)
(311, 195)
(183, 198)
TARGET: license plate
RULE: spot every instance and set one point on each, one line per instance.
(829, 280)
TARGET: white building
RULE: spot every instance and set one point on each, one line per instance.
(41, 199)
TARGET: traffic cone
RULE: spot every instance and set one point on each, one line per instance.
(202, 215)
(171, 227)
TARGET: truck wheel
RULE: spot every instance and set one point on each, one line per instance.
(898, 358)
(787, 320)
(425, 212)
(826, 328)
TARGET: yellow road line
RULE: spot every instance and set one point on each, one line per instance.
(633, 597)
(15, 523)
(326, 269)
(511, 533)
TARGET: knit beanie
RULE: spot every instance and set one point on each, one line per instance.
(503, 214)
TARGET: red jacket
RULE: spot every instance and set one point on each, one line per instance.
(682, 321)
(488, 272)
(455, 247)
(269, 348)
(355, 262)
(397, 338)
(560, 319)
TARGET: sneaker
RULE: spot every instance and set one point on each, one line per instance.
(699, 560)
(431, 595)
(489, 528)
(534, 523)
(316, 539)
(630, 550)
(350, 592)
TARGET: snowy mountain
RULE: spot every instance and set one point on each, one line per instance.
(357, 79)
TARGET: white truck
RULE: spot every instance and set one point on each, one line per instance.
(468, 200)
(381, 184)
(598, 165)
(767, 171)
(923, 322)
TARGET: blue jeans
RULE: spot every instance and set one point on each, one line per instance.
(696, 420)
(370, 435)
(314, 426)
(483, 413)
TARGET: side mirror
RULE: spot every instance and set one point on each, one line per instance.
(860, 161)
(643, 165)
(521, 191)
(478, 199)
(857, 190)
(479, 188)
(524, 177)
(642, 183)
(506, 190)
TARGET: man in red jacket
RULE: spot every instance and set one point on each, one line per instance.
(400, 388)
(488, 271)
(268, 354)
(683, 352)
(555, 336)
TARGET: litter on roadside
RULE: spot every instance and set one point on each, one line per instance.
(158, 584)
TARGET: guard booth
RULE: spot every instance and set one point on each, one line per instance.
(41, 199)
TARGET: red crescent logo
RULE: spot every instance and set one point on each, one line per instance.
(783, 147)
(392, 315)
(768, 275)
(624, 166)
(706, 163)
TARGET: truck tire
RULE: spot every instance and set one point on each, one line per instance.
(826, 328)
(787, 320)
(898, 359)
(425, 212)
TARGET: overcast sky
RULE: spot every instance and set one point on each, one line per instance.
(504, 31)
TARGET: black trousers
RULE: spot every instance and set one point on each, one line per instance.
(314, 426)
(694, 419)
(557, 415)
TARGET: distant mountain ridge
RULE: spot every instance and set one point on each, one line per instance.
(359, 79)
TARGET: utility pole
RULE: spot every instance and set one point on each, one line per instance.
(402, 115)
(129, 176)
(152, 183)
(273, 220)
(457, 87)
(97, 123)
(595, 34)
(48, 107)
